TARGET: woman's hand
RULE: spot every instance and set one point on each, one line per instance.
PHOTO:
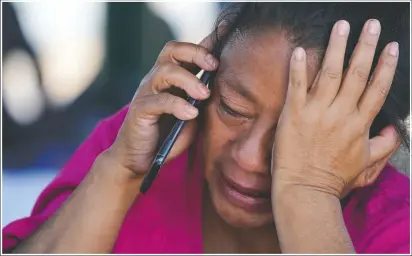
(322, 139)
(175, 67)
(322, 146)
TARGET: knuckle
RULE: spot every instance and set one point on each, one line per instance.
(332, 121)
(383, 90)
(167, 49)
(381, 87)
(297, 83)
(296, 80)
(165, 68)
(164, 99)
(329, 123)
(170, 45)
(331, 73)
(390, 64)
(168, 81)
(174, 101)
(361, 74)
(371, 112)
(199, 51)
(368, 43)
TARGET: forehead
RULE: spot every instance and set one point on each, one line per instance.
(266, 47)
(259, 63)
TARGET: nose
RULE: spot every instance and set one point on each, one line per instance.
(252, 152)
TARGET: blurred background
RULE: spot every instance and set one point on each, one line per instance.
(66, 65)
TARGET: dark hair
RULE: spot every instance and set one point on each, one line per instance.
(309, 25)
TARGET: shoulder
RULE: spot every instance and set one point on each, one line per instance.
(79, 164)
(378, 216)
(61, 187)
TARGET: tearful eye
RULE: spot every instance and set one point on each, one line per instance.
(229, 110)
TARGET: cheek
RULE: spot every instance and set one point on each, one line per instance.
(216, 138)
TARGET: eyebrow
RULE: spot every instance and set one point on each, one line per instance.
(242, 90)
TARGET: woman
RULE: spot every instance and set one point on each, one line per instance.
(291, 155)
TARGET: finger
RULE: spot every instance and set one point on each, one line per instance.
(297, 88)
(209, 43)
(369, 175)
(383, 144)
(375, 166)
(375, 94)
(329, 80)
(151, 107)
(169, 75)
(361, 61)
(178, 53)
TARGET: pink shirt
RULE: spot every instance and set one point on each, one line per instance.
(168, 218)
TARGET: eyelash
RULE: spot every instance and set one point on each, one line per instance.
(229, 111)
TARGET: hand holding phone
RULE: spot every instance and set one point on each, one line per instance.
(167, 145)
(138, 138)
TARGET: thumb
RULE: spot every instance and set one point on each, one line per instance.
(383, 144)
(371, 173)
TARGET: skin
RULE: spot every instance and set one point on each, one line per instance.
(311, 128)
(240, 146)
(290, 134)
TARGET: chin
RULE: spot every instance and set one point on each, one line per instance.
(237, 216)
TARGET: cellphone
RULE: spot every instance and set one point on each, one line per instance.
(168, 143)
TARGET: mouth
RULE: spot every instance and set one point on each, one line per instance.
(248, 198)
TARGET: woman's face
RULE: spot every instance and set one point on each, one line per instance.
(247, 100)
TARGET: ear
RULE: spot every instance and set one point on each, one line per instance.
(371, 173)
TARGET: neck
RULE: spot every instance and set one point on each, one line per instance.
(220, 237)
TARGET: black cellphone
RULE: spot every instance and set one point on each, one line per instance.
(168, 143)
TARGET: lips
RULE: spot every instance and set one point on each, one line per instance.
(251, 192)
(249, 199)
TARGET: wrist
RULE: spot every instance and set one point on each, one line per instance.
(109, 168)
(291, 193)
(309, 220)
(303, 203)
(307, 180)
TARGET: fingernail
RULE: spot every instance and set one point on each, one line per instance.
(211, 60)
(203, 90)
(343, 28)
(191, 111)
(373, 27)
(394, 49)
(299, 53)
